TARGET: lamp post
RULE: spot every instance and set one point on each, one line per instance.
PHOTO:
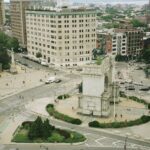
(125, 144)
(114, 93)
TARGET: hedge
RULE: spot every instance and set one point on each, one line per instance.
(136, 99)
(63, 96)
(51, 110)
(143, 119)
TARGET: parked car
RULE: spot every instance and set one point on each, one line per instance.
(145, 89)
(122, 82)
(131, 87)
(50, 80)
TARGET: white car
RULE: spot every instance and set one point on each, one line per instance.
(50, 80)
(44, 63)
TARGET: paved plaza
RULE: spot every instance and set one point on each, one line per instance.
(25, 79)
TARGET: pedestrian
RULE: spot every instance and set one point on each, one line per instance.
(121, 115)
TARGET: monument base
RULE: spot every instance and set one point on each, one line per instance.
(93, 106)
(13, 69)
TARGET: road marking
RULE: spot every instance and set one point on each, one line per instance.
(97, 141)
(114, 143)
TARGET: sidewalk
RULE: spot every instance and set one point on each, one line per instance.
(12, 84)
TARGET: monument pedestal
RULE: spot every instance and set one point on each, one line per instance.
(13, 69)
(97, 89)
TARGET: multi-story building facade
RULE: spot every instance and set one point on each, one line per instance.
(2, 14)
(119, 44)
(64, 38)
(104, 42)
(122, 41)
(18, 20)
(134, 42)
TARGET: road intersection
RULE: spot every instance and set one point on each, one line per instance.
(13, 108)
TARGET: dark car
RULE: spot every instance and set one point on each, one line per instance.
(57, 80)
(145, 89)
(130, 88)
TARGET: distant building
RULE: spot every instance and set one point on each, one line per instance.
(2, 14)
(64, 37)
(104, 42)
(18, 20)
(121, 41)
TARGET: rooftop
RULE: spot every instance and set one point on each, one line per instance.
(62, 9)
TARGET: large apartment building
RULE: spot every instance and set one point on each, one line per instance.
(2, 14)
(64, 37)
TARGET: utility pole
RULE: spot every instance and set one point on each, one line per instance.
(114, 92)
(125, 144)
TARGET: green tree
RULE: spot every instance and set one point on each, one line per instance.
(137, 23)
(13, 43)
(47, 129)
(4, 58)
(36, 129)
(38, 55)
(146, 55)
(3, 40)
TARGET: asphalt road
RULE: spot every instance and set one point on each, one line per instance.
(96, 139)
(60, 147)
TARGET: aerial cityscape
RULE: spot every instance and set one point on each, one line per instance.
(74, 75)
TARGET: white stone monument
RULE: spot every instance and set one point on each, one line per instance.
(97, 89)
(13, 68)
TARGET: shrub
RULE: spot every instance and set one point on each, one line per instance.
(66, 96)
(64, 133)
(94, 124)
(139, 121)
(76, 121)
(27, 124)
(60, 97)
(149, 106)
(56, 138)
(50, 105)
(21, 138)
(63, 96)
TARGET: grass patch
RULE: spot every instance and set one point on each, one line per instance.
(55, 135)
(21, 136)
